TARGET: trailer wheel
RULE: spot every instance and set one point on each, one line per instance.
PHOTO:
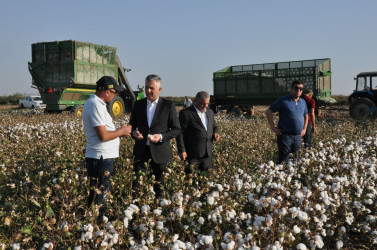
(116, 106)
(362, 108)
(77, 110)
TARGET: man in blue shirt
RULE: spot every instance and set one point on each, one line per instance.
(293, 120)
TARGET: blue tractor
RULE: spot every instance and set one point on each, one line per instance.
(363, 100)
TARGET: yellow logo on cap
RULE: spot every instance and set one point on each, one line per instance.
(110, 86)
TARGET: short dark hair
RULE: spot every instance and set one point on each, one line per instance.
(202, 95)
(296, 82)
(307, 92)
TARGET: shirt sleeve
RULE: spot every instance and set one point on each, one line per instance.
(96, 117)
(275, 107)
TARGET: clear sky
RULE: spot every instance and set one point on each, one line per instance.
(186, 41)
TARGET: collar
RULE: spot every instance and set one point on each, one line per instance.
(291, 98)
(197, 110)
(99, 99)
(155, 101)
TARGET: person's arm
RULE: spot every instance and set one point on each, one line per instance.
(135, 134)
(313, 122)
(104, 135)
(305, 125)
(313, 116)
(216, 135)
(271, 122)
(180, 138)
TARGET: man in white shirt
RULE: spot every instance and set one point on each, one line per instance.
(187, 103)
(198, 131)
(102, 137)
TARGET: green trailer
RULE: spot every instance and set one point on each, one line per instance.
(65, 74)
(241, 87)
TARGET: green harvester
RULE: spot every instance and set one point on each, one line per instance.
(65, 74)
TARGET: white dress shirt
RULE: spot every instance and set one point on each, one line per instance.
(151, 109)
(203, 117)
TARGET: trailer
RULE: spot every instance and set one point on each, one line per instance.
(238, 88)
(65, 74)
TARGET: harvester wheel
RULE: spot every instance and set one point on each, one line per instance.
(362, 108)
(77, 110)
(236, 112)
(116, 106)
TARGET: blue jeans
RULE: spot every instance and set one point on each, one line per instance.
(288, 144)
(308, 136)
(96, 169)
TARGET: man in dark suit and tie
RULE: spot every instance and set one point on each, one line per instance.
(198, 132)
(154, 122)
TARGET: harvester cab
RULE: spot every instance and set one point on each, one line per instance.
(363, 100)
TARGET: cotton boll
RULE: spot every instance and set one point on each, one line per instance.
(157, 212)
(301, 246)
(159, 225)
(201, 220)
(296, 229)
(210, 200)
(179, 212)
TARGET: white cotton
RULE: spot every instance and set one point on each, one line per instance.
(296, 229)
(339, 244)
(210, 200)
(175, 237)
(159, 225)
(157, 212)
(179, 212)
(145, 209)
(301, 246)
(201, 220)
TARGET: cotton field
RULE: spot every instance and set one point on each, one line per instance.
(326, 199)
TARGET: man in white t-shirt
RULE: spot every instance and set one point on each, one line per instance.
(102, 137)
(187, 103)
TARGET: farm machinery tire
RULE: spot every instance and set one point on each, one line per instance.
(362, 108)
(77, 110)
(116, 106)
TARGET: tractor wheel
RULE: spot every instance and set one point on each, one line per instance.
(362, 108)
(77, 110)
(116, 106)
(22, 105)
(235, 111)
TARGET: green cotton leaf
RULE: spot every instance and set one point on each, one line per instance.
(26, 229)
(36, 203)
(49, 212)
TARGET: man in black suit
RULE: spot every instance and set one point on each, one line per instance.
(154, 122)
(198, 131)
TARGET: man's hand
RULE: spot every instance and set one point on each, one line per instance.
(314, 129)
(126, 130)
(138, 135)
(154, 138)
(183, 156)
(276, 131)
(303, 132)
(216, 137)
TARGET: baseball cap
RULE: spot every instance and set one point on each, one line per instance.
(108, 82)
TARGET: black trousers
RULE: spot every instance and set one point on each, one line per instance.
(202, 164)
(99, 173)
(158, 169)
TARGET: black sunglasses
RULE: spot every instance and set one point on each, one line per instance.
(298, 88)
